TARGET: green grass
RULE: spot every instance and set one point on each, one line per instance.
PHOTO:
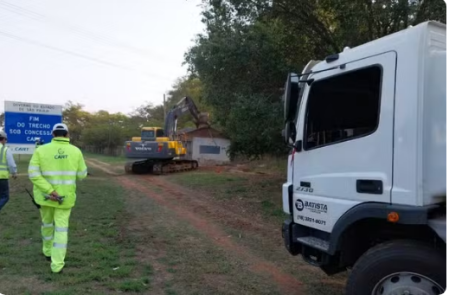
(123, 241)
(133, 285)
(189, 262)
(259, 196)
(241, 188)
(224, 186)
(266, 165)
(100, 258)
(207, 179)
(105, 159)
(271, 209)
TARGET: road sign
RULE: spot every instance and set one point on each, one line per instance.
(25, 122)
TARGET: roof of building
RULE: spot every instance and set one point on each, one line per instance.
(202, 132)
(185, 130)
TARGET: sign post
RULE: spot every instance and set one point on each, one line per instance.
(25, 122)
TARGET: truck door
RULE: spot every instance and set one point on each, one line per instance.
(345, 126)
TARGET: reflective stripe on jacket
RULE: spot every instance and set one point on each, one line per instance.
(55, 167)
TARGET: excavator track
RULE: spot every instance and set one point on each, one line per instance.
(177, 166)
(160, 167)
(132, 167)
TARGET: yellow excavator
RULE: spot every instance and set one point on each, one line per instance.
(158, 150)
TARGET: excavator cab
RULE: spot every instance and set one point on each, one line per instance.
(151, 134)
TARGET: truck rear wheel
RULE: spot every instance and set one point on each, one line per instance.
(399, 267)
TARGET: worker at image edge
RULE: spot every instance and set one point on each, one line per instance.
(53, 170)
(7, 167)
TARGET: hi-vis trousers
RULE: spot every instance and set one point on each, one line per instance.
(55, 228)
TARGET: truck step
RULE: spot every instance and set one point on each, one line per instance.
(315, 242)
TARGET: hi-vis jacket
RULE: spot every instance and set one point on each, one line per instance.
(56, 167)
(4, 172)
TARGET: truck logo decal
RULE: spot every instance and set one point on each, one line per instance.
(299, 205)
(316, 207)
(311, 206)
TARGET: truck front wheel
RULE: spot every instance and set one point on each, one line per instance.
(399, 267)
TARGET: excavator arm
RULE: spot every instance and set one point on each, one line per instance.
(186, 104)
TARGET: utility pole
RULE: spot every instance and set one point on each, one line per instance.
(109, 136)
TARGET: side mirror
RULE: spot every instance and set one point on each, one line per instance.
(291, 93)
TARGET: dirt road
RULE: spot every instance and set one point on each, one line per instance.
(226, 247)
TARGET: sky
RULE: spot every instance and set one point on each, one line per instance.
(113, 55)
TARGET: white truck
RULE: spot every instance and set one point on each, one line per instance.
(366, 184)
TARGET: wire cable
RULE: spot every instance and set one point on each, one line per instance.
(83, 32)
(68, 52)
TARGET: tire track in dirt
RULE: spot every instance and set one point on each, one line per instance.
(200, 204)
(101, 166)
(203, 204)
(287, 283)
(174, 191)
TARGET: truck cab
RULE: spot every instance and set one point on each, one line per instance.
(366, 181)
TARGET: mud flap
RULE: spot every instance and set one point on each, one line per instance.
(293, 247)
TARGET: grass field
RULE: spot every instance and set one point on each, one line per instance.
(100, 259)
(244, 189)
(105, 159)
(199, 232)
(258, 197)
(246, 205)
(186, 260)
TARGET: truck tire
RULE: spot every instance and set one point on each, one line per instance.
(398, 267)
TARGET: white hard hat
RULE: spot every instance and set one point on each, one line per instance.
(3, 134)
(60, 126)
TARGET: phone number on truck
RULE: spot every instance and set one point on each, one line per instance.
(309, 219)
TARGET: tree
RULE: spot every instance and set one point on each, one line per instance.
(250, 139)
(192, 87)
(106, 130)
(76, 119)
(149, 115)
